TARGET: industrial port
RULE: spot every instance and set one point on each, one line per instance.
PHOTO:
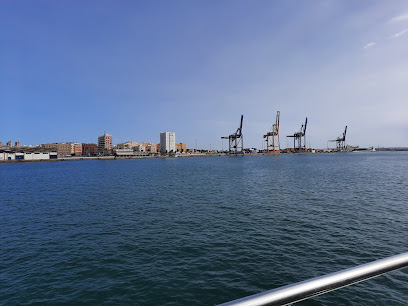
(168, 147)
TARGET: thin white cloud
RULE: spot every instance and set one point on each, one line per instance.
(369, 45)
(399, 18)
(399, 34)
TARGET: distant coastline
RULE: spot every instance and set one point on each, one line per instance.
(81, 158)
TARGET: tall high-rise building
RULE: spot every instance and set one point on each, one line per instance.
(104, 143)
(168, 142)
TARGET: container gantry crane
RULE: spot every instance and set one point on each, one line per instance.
(297, 137)
(274, 136)
(341, 141)
(236, 140)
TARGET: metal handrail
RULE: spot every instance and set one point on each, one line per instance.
(297, 292)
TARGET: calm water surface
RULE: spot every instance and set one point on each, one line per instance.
(203, 231)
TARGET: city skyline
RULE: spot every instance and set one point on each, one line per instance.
(72, 69)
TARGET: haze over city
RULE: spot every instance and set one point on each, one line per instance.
(71, 70)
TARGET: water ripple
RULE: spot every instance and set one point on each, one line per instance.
(200, 230)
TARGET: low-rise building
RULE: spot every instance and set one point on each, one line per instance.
(123, 152)
(152, 148)
(181, 147)
(64, 148)
(7, 155)
(129, 153)
(77, 149)
(139, 148)
(89, 149)
(35, 155)
(27, 153)
(127, 145)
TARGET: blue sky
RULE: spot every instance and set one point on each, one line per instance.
(70, 70)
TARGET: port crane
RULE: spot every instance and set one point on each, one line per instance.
(297, 137)
(273, 135)
(236, 140)
(341, 141)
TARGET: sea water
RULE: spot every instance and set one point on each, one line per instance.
(200, 231)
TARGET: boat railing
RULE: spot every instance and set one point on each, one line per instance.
(307, 289)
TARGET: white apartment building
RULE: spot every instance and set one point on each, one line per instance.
(168, 142)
